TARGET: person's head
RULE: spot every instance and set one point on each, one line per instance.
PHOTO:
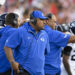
(37, 19)
(51, 20)
(12, 19)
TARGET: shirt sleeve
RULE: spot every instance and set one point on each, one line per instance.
(14, 40)
(47, 50)
(59, 38)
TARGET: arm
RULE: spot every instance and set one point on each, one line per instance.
(9, 44)
(66, 54)
(9, 55)
(71, 39)
(66, 64)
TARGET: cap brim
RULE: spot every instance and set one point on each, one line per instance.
(44, 18)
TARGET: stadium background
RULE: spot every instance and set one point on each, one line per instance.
(63, 9)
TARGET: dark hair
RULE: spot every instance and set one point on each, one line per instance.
(11, 19)
(49, 15)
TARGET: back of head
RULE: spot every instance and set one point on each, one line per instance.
(12, 19)
(49, 15)
(51, 20)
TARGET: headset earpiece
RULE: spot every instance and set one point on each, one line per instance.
(14, 21)
(33, 19)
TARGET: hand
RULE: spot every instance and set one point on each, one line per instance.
(15, 66)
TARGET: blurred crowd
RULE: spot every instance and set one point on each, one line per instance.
(63, 9)
(58, 14)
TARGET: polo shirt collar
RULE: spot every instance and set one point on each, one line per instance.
(7, 26)
(30, 28)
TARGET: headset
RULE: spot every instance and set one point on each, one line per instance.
(14, 21)
(33, 20)
(12, 18)
(2, 20)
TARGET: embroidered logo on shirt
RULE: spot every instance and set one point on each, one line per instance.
(29, 38)
(6, 41)
(42, 39)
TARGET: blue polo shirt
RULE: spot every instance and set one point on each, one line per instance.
(53, 59)
(4, 34)
(31, 48)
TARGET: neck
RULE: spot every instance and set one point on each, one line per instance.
(36, 29)
(13, 26)
(51, 27)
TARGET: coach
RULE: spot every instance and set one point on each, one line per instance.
(31, 44)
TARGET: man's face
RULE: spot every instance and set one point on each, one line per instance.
(40, 24)
(52, 22)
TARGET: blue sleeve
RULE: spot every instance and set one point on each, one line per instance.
(47, 47)
(59, 38)
(14, 40)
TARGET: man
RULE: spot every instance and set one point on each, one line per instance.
(31, 44)
(52, 20)
(57, 40)
(11, 22)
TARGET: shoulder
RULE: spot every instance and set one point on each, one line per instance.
(10, 30)
(44, 34)
(25, 24)
(47, 28)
